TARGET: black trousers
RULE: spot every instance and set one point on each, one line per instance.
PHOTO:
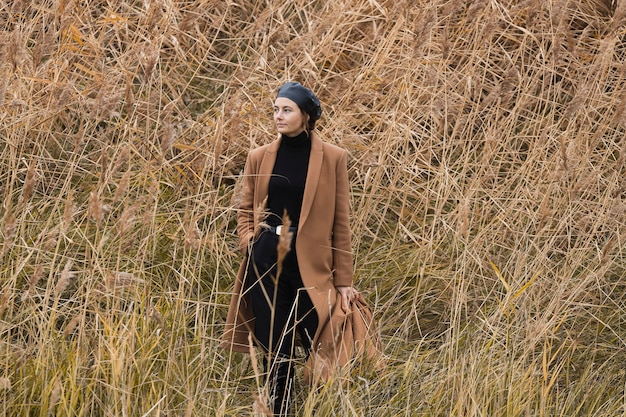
(283, 311)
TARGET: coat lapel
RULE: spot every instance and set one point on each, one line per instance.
(265, 172)
(312, 177)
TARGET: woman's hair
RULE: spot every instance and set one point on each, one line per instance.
(310, 122)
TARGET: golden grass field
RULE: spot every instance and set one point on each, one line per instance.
(487, 166)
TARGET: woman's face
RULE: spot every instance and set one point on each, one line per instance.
(289, 119)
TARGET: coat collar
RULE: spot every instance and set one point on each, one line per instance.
(312, 178)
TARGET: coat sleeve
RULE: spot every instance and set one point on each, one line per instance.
(245, 212)
(341, 239)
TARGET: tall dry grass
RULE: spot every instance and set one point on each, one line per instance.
(488, 195)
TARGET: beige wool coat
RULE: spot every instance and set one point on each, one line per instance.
(323, 242)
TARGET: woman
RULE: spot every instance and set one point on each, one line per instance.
(301, 183)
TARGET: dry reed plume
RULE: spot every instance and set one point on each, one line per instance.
(487, 164)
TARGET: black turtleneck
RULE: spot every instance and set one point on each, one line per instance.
(286, 188)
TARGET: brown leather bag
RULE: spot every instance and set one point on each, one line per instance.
(348, 336)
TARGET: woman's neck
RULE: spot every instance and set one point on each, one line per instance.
(301, 139)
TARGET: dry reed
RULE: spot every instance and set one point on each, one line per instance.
(487, 151)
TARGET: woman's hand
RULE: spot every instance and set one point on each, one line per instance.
(348, 295)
